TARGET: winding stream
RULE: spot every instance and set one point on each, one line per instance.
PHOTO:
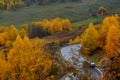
(71, 55)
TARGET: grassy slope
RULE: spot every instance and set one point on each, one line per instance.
(89, 20)
(76, 12)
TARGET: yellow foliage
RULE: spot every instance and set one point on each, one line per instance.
(112, 42)
(107, 22)
(25, 27)
(3, 65)
(13, 32)
(29, 60)
(57, 42)
(109, 40)
(70, 41)
(79, 26)
(102, 10)
(56, 25)
(8, 34)
(67, 26)
(89, 39)
(22, 33)
(75, 41)
(12, 4)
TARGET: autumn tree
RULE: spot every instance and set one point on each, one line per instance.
(28, 60)
(67, 26)
(37, 30)
(46, 26)
(4, 37)
(112, 42)
(102, 10)
(49, 27)
(111, 46)
(55, 26)
(107, 22)
(3, 66)
(11, 4)
(43, 59)
(79, 26)
(13, 32)
(89, 39)
(22, 33)
(8, 34)
(25, 27)
(70, 41)
(75, 41)
(113, 53)
(2, 4)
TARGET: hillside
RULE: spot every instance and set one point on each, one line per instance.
(59, 39)
(75, 11)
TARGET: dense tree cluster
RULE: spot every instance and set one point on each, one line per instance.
(26, 60)
(100, 32)
(29, 60)
(53, 26)
(102, 10)
(8, 35)
(88, 39)
(112, 48)
(3, 65)
(11, 4)
(107, 37)
(15, 4)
